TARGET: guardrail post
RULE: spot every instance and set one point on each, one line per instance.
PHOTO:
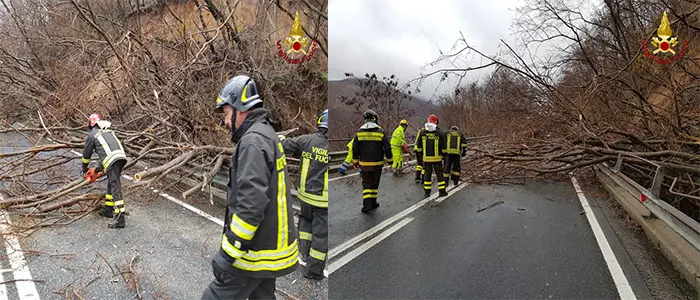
(618, 163)
(658, 180)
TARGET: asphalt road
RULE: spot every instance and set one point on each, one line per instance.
(536, 244)
(166, 249)
(345, 219)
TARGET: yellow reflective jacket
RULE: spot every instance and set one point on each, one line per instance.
(397, 139)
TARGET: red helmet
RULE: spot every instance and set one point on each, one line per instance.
(433, 119)
(94, 118)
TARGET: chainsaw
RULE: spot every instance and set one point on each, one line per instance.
(92, 175)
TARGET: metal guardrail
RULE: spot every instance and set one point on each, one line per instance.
(681, 223)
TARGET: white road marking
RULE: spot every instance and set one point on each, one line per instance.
(366, 246)
(374, 230)
(199, 211)
(623, 287)
(183, 204)
(3, 288)
(26, 289)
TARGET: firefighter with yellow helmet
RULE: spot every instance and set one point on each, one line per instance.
(398, 145)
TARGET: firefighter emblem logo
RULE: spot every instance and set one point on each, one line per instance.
(665, 43)
(296, 48)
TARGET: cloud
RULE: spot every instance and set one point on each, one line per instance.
(401, 36)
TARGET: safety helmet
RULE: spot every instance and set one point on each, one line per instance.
(433, 119)
(239, 92)
(94, 118)
(323, 120)
(403, 122)
(454, 128)
(370, 115)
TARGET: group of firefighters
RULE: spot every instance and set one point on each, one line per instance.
(260, 241)
(436, 152)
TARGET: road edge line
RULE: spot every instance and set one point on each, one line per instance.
(379, 227)
(623, 286)
(336, 265)
(26, 289)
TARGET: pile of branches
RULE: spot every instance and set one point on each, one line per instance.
(154, 70)
(596, 96)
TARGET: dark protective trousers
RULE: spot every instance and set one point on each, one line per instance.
(370, 186)
(429, 168)
(419, 171)
(114, 186)
(453, 168)
(313, 237)
(228, 286)
(419, 166)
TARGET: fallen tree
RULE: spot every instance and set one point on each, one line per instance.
(154, 70)
(597, 97)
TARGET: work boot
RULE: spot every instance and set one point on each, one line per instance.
(365, 209)
(456, 181)
(426, 194)
(107, 212)
(375, 205)
(313, 276)
(121, 223)
(443, 193)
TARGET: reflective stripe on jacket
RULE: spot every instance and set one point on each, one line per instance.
(370, 146)
(431, 144)
(102, 141)
(313, 174)
(259, 238)
(455, 142)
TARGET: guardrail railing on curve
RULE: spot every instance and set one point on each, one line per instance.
(681, 223)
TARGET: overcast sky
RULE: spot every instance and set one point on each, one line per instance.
(401, 36)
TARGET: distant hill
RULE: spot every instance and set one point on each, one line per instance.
(347, 119)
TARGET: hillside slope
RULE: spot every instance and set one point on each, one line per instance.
(347, 118)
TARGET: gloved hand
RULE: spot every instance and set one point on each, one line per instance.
(464, 152)
(281, 137)
(241, 245)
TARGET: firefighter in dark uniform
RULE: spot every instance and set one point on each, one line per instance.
(259, 240)
(313, 193)
(419, 160)
(456, 148)
(102, 141)
(430, 143)
(370, 147)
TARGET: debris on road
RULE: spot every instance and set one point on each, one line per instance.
(490, 206)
